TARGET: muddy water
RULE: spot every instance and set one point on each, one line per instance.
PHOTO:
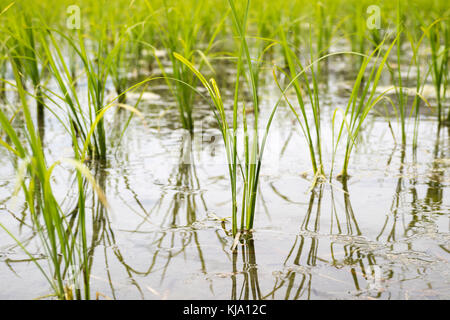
(382, 235)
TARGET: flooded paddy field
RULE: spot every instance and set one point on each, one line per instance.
(153, 217)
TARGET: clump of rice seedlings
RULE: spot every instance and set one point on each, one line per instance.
(325, 26)
(357, 29)
(363, 97)
(416, 60)
(140, 32)
(250, 166)
(262, 43)
(81, 117)
(439, 39)
(305, 81)
(96, 64)
(62, 239)
(84, 113)
(266, 18)
(3, 52)
(3, 55)
(181, 31)
(322, 22)
(122, 40)
(3, 68)
(310, 127)
(400, 80)
(22, 47)
(118, 65)
(415, 108)
(401, 95)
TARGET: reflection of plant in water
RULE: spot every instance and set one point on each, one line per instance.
(289, 280)
(396, 202)
(435, 186)
(431, 202)
(250, 285)
(176, 232)
(183, 204)
(310, 223)
(298, 278)
(103, 236)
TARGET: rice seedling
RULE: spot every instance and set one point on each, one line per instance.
(363, 97)
(181, 33)
(420, 76)
(62, 232)
(3, 56)
(253, 149)
(357, 30)
(22, 46)
(64, 243)
(262, 43)
(97, 69)
(401, 96)
(81, 118)
(118, 64)
(310, 124)
(400, 80)
(325, 25)
(123, 42)
(3, 67)
(439, 39)
(310, 128)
